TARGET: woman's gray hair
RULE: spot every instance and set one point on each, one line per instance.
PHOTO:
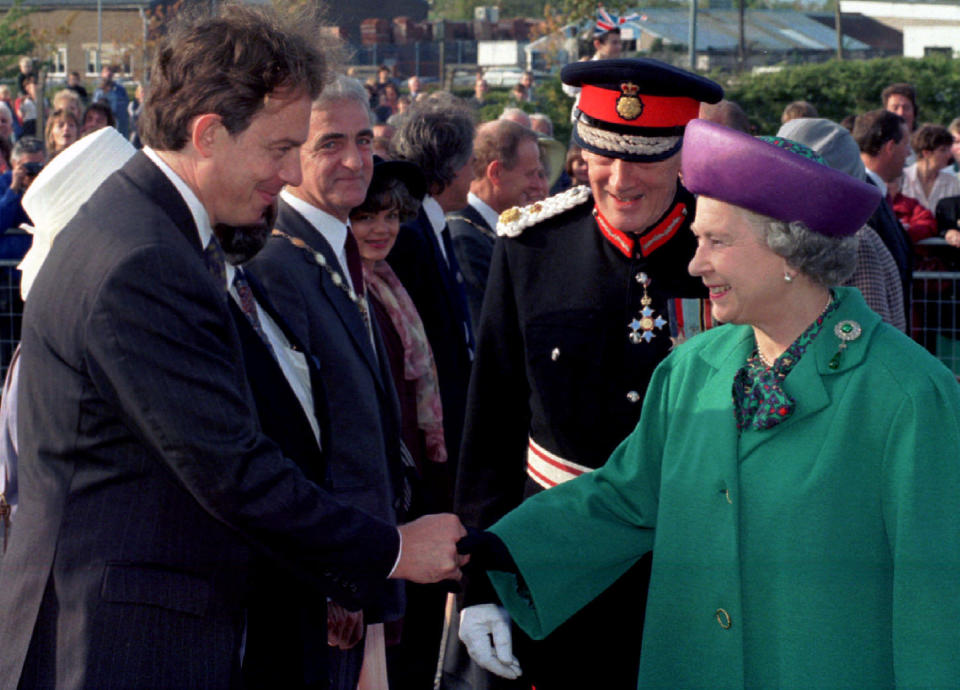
(437, 136)
(827, 261)
(344, 88)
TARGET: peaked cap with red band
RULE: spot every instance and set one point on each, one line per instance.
(635, 108)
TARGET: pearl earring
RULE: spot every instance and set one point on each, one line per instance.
(787, 278)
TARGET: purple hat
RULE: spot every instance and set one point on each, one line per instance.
(774, 179)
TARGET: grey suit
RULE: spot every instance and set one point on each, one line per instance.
(363, 453)
(145, 478)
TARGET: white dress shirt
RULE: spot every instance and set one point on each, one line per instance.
(438, 222)
(483, 208)
(292, 363)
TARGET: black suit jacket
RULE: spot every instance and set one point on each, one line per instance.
(417, 260)
(363, 466)
(147, 483)
(286, 640)
(473, 241)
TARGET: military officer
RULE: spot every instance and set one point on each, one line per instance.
(588, 292)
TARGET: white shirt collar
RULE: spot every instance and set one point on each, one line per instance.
(434, 214)
(484, 209)
(878, 180)
(332, 229)
(197, 210)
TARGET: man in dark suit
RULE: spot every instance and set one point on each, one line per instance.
(147, 484)
(884, 141)
(506, 169)
(330, 315)
(437, 135)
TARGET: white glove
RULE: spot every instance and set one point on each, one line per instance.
(485, 630)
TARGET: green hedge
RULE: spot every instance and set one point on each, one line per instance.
(838, 89)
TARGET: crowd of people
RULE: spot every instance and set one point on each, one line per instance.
(350, 390)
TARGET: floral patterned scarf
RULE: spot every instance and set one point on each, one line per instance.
(418, 364)
(759, 401)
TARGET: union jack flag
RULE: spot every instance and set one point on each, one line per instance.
(607, 22)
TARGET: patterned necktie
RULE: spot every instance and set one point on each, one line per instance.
(216, 262)
(249, 306)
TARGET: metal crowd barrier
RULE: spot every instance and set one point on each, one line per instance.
(11, 310)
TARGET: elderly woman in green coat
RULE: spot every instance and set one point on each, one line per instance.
(796, 471)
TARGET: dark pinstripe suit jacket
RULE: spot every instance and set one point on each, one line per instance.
(146, 481)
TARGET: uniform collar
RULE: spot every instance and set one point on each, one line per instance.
(651, 239)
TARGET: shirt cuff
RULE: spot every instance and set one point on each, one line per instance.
(399, 553)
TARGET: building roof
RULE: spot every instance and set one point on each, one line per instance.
(867, 29)
(717, 30)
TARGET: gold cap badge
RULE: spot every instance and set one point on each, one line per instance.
(629, 105)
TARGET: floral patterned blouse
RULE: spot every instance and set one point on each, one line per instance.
(759, 401)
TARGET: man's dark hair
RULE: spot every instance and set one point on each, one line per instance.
(101, 106)
(931, 137)
(873, 129)
(26, 145)
(226, 65)
(901, 89)
(437, 135)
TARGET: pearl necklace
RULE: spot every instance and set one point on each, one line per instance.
(767, 363)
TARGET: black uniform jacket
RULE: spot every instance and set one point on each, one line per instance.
(556, 360)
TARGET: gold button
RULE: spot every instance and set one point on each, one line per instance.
(723, 618)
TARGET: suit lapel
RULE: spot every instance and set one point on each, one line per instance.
(475, 215)
(449, 280)
(296, 225)
(144, 174)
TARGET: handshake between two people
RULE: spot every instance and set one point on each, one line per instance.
(435, 548)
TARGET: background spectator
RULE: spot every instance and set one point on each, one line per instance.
(75, 85)
(116, 97)
(133, 110)
(926, 180)
(97, 115)
(66, 99)
(63, 128)
(798, 109)
(728, 114)
(27, 161)
(27, 106)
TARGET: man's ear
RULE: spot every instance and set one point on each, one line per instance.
(207, 129)
(494, 168)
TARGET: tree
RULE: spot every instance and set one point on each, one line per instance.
(15, 37)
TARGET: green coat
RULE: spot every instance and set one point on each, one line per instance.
(824, 552)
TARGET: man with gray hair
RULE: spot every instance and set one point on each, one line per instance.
(311, 269)
(26, 161)
(437, 135)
